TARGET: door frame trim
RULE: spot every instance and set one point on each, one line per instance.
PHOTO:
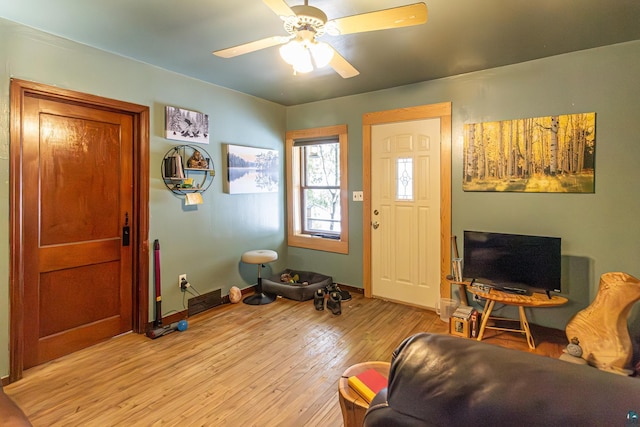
(140, 217)
(443, 112)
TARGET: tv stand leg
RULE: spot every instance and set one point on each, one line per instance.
(524, 325)
(462, 288)
(485, 318)
(548, 293)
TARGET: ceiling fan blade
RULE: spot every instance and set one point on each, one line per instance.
(251, 46)
(279, 7)
(403, 16)
(342, 66)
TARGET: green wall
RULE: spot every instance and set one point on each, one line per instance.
(599, 232)
(204, 242)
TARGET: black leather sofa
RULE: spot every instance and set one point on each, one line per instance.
(440, 380)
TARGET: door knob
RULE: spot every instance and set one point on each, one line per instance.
(375, 225)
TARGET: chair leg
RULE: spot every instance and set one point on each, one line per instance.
(259, 298)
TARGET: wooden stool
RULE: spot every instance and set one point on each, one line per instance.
(352, 404)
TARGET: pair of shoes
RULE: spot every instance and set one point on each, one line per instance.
(344, 295)
(318, 300)
(333, 287)
(333, 303)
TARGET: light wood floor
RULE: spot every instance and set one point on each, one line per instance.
(237, 365)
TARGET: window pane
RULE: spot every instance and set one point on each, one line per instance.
(322, 211)
(322, 165)
(404, 178)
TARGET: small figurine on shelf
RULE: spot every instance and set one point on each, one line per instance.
(196, 161)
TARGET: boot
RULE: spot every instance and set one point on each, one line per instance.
(333, 303)
(318, 300)
(344, 295)
(333, 287)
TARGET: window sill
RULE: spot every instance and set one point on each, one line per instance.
(319, 243)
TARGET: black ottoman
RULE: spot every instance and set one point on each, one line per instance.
(296, 291)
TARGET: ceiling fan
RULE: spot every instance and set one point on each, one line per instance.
(305, 24)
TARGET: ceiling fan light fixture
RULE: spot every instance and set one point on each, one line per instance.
(293, 50)
(303, 64)
(296, 54)
(299, 52)
(331, 28)
(305, 24)
(322, 53)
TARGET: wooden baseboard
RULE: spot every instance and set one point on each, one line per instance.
(175, 317)
(167, 320)
(351, 289)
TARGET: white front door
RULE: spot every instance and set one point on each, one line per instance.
(405, 211)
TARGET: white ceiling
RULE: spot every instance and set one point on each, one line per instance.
(460, 36)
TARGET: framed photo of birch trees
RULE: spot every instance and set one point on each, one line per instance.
(553, 154)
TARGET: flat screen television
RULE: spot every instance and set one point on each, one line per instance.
(514, 262)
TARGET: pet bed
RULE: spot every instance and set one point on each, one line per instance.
(301, 290)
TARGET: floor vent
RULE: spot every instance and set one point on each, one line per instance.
(204, 302)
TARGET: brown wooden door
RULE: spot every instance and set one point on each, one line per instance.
(77, 193)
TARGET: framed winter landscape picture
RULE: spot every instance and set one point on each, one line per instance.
(187, 126)
(552, 154)
(250, 169)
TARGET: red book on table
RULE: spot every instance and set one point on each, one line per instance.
(368, 383)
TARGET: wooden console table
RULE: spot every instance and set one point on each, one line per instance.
(521, 301)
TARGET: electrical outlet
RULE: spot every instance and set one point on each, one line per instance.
(180, 279)
(477, 298)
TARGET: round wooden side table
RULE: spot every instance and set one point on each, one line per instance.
(352, 404)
